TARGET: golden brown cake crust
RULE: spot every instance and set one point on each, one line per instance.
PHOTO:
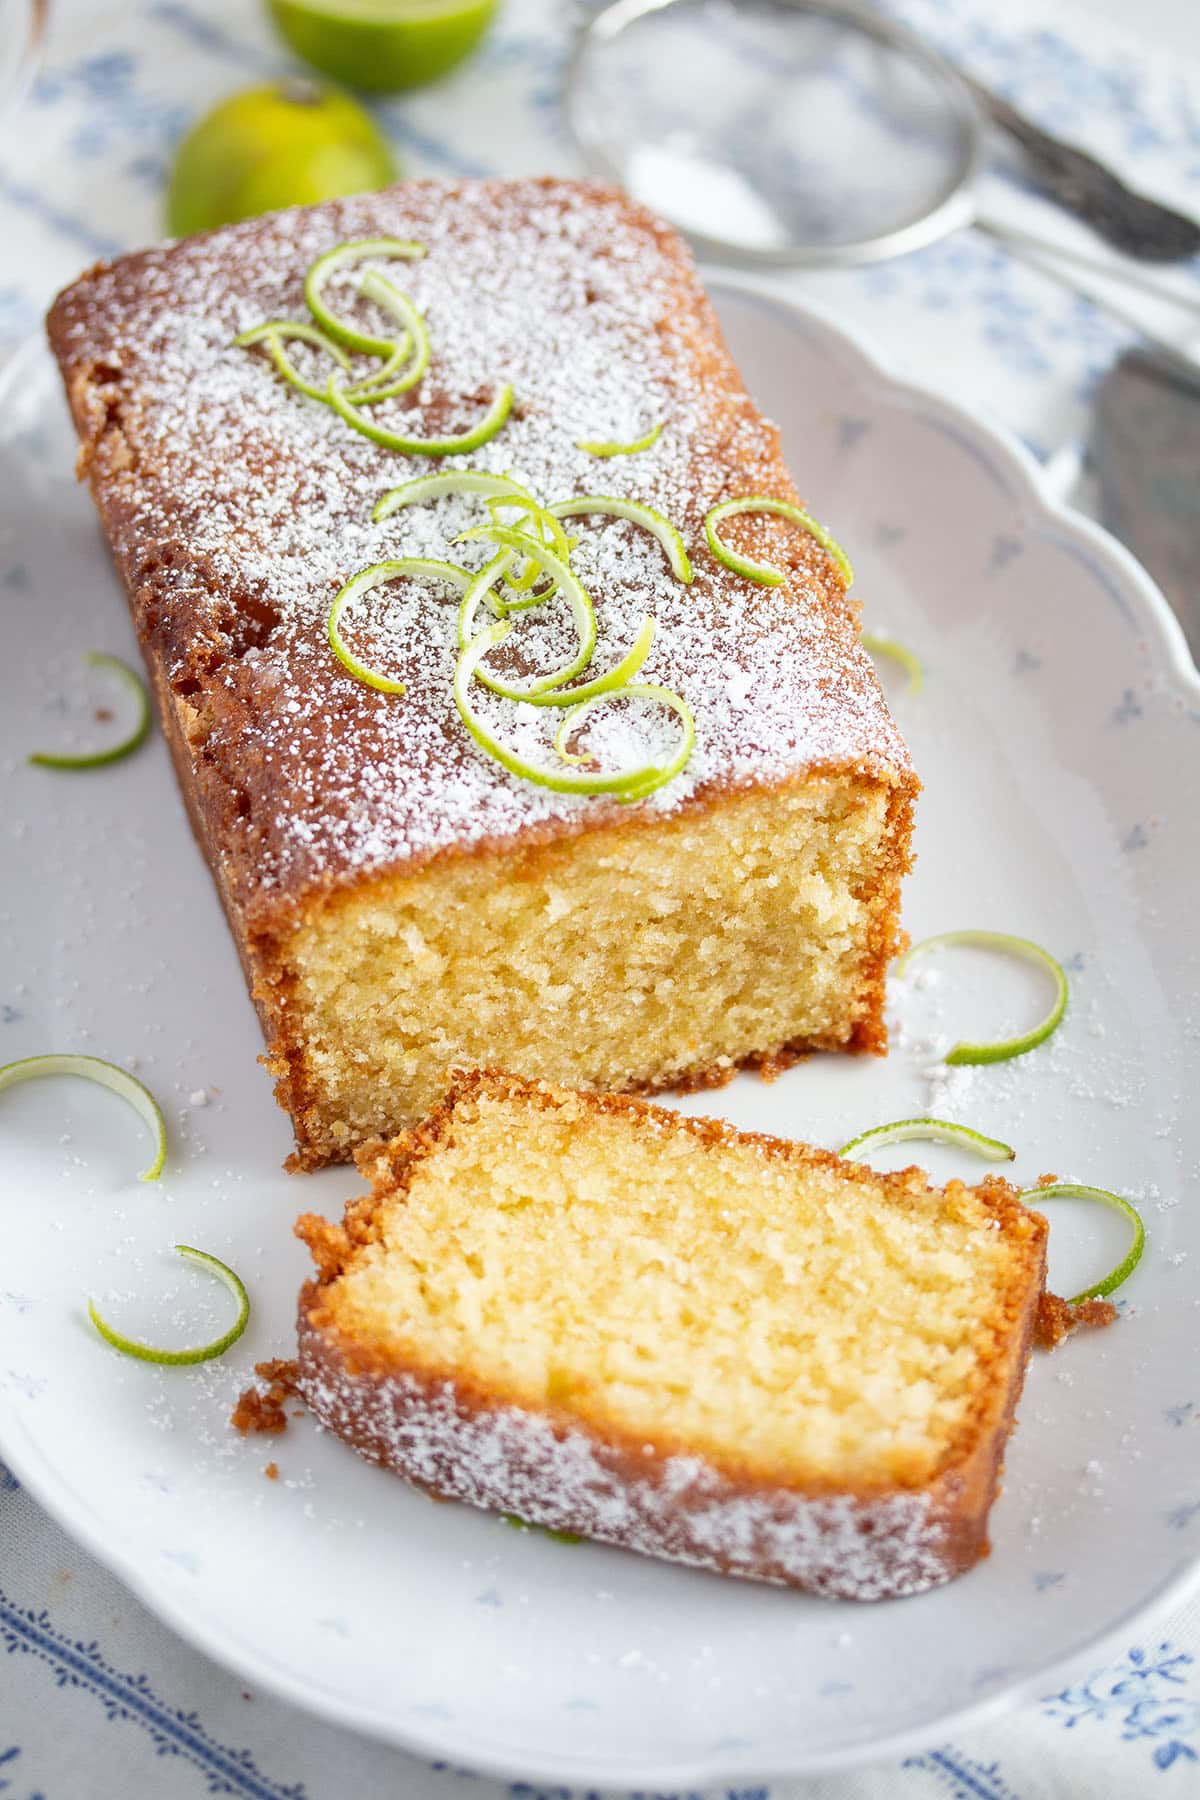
(445, 1431)
(235, 509)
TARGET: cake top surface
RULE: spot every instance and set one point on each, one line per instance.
(237, 508)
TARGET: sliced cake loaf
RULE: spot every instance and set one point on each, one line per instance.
(725, 1349)
(402, 900)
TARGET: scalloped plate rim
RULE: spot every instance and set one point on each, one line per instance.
(212, 1637)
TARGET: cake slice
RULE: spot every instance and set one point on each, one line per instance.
(401, 901)
(725, 1349)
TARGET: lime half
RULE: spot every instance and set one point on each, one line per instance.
(291, 143)
(383, 45)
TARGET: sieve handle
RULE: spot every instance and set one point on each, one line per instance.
(1130, 221)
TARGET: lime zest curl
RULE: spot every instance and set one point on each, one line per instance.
(275, 333)
(627, 784)
(104, 1074)
(876, 645)
(766, 573)
(458, 444)
(497, 492)
(640, 785)
(1001, 1049)
(393, 378)
(200, 1353)
(615, 678)
(654, 522)
(136, 735)
(406, 359)
(381, 384)
(424, 568)
(538, 523)
(337, 258)
(611, 447)
(1074, 1190)
(560, 1537)
(935, 1131)
(438, 486)
(566, 583)
(482, 592)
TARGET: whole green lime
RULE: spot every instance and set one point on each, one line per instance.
(289, 144)
(383, 45)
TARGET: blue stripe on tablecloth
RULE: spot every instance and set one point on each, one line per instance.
(130, 1697)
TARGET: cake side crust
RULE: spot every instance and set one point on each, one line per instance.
(235, 510)
(456, 1445)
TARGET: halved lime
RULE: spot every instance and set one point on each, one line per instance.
(291, 143)
(383, 45)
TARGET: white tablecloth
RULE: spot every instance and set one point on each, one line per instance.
(97, 1698)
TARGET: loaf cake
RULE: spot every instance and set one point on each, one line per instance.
(728, 1350)
(402, 902)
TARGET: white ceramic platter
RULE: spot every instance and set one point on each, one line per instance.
(1058, 735)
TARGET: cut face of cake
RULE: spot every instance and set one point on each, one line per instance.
(401, 901)
(724, 1349)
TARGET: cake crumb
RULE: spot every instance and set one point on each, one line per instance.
(1058, 1318)
(272, 1471)
(259, 1411)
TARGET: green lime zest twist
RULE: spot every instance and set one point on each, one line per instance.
(106, 1075)
(379, 384)
(616, 678)
(566, 583)
(202, 1352)
(394, 378)
(934, 1131)
(275, 333)
(439, 486)
(610, 447)
(537, 522)
(640, 784)
(412, 348)
(766, 573)
(627, 784)
(907, 659)
(560, 1537)
(1074, 1190)
(340, 257)
(137, 733)
(482, 592)
(1001, 1049)
(420, 568)
(654, 522)
(458, 445)
(532, 560)
(497, 491)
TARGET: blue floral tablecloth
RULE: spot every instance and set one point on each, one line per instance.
(98, 1699)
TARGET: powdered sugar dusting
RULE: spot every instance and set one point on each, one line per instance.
(247, 506)
(508, 1460)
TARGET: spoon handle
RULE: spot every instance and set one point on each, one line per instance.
(1132, 222)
